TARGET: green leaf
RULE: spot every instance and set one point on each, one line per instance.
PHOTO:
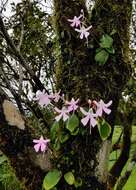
(114, 31)
(98, 50)
(110, 50)
(51, 179)
(75, 132)
(69, 178)
(64, 137)
(54, 130)
(102, 57)
(78, 183)
(106, 41)
(72, 123)
(57, 144)
(2, 159)
(104, 129)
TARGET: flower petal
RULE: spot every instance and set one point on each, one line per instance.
(35, 141)
(99, 112)
(86, 34)
(109, 103)
(65, 117)
(77, 23)
(58, 117)
(93, 122)
(81, 35)
(73, 24)
(70, 20)
(83, 111)
(46, 141)
(43, 147)
(107, 110)
(57, 110)
(85, 120)
(80, 16)
(37, 147)
(78, 30)
(88, 28)
(96, 103)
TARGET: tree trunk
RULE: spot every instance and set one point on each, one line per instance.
(79, 76)
(17, 145)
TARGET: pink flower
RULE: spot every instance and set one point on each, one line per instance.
(75, 21)
(83, 32)
(56, 96)
(62, 114)
(89, 117)
(72, 105)
(92, 104)
(41, 144)
(102, 107)
(42, 97)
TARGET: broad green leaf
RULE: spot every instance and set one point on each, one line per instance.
(57, 144)
(111, 50)
(69, 178)
(64, 137)
(54, 130)
(98, 50)
(78, 182)
(102, 57)
(51, 179)
(104, 129)
(106, 41)
(72, 123)
(75, 132)
(2, 159)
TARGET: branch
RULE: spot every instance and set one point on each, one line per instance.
(116, 144)
(13, 92)
(16, 76)
(124, 155)
(123, 179)
(3, 5)
(22, 35)
(11, 68)
(20, 56)
(35, 110)
(20, 66)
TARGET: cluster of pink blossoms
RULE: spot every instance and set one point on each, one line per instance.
(45, 99)
(79, 24)
(95, 110)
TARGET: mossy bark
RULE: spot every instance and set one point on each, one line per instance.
(79, 76)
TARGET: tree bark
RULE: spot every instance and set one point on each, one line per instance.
(115, 172)
(123, 179)
(79, 76)
(16, 144)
